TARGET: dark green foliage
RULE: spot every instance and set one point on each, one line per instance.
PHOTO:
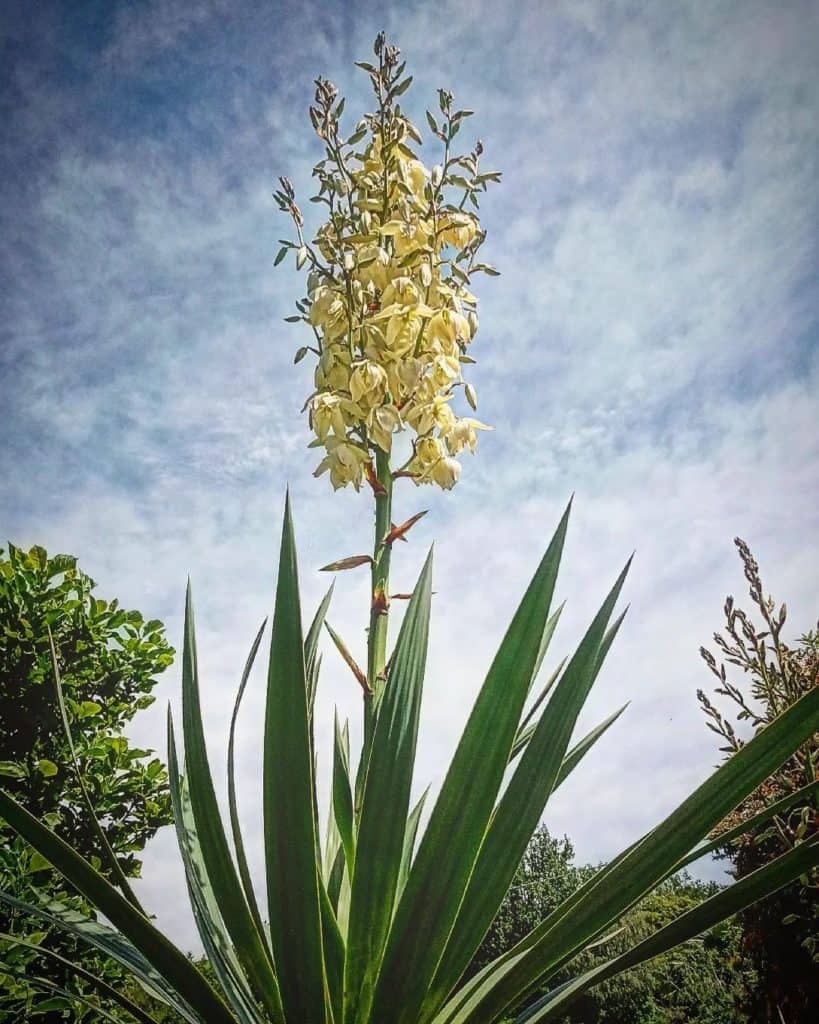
(702, 981)
(108, 660)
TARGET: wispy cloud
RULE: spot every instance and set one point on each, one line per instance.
(651, 344)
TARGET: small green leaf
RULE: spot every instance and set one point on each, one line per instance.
(37, 862)
(402, 88)
(47, 768)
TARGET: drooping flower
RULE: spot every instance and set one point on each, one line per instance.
(345, 462)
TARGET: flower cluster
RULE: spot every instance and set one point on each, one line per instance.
(388, 285)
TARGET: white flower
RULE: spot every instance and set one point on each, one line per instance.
(382, 423)
(446, 473)
(463, 434)
(368, 384)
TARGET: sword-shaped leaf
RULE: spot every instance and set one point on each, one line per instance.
(756, 886)
(161, 954)
(409, 844)
(522, 805)
(311, 659)
(207, 916)
(248, 941)
(288, 797)
(455, 831)
(583, 746)
(343, 797)
(385, 804)
(233, 810)
(615, 889)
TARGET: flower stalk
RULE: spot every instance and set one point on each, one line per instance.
(391, 310)
(379, 604)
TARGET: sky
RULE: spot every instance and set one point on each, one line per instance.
(650, 346)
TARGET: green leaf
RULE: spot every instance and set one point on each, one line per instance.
(110, 943)
(161, 954)
(221, 871)
(409, 843)
(64, 1000)
(522, 804)
(583, 746)
(343, 797)
(37, 862)
(311, 647)
(385, 803)
(334, 953)
(241, 858)
(289, 822)
(280, 256)
(207, 916)
(12, 770)
(452, 839)
(402, 88)
(527, 727)
(750, 825)
(60, 564)
(613, 890)
(88, 708)
(47, 768)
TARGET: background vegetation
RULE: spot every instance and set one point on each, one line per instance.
(109, 659)
(780, 935)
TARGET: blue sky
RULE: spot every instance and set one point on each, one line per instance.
(650, 345)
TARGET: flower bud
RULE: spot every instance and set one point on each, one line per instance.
(437, 175)
(472, 320)
(301, 256)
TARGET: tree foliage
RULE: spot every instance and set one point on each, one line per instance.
(703, 981)
(781, 935)
(108, 660)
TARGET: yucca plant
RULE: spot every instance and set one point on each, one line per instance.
(379, 925)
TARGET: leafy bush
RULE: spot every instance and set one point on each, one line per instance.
(108, 659)
(781, 935)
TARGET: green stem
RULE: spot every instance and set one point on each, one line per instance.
(379, 608)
